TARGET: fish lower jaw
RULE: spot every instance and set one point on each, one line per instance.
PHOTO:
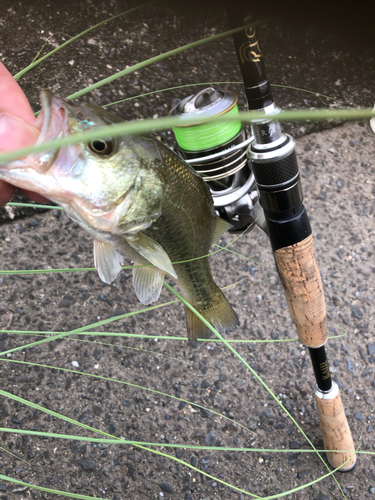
(96, 217)
(23, 178)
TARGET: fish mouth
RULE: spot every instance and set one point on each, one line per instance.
(53, 124)
(54, 121)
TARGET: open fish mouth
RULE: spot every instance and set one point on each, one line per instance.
(53, 124)
(61, 174)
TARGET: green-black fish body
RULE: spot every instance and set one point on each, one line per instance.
(137, 199)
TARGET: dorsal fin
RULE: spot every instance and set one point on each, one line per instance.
(221, 227)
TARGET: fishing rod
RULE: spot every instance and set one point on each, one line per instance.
(254, 177)
(275, 167)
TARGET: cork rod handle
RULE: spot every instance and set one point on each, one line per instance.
(335, 429)
(303, 289)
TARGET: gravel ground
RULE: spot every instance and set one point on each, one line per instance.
(112, 380)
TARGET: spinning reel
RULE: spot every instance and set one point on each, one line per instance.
(219, 153)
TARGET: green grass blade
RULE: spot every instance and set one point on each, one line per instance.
(155, 59)
(85, 269)
(166, 337)
(253, 372)
(142, 349)
(211, 448)
(85, 328)
(73, 39)
(58, 270)
(177, 87)
(48, 490)
(178, 460)
(130, 384)
(33, 205)
(247, 258)
(306, 485)
(46, 271)
(16, 457)
(39, 52)
(278, 495)
(159, 337)
(53, 413)
(79, 424)
(189, 85)
(153, 125)
(169, 445)
(317, 94)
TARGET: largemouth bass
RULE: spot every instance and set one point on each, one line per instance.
(137, 199)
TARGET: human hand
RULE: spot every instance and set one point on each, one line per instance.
(16, 127)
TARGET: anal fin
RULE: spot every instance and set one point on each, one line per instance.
(147, 282)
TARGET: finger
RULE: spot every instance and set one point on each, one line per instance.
(6, 192)
(16, 130)
(34, 196)
(12, 97)
(15, 133)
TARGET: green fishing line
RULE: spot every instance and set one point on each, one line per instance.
(207, 135)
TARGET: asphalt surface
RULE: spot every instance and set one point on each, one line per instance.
(324, 50)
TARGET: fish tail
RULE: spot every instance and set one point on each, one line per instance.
(219, 313)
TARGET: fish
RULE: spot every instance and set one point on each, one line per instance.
(137, 199)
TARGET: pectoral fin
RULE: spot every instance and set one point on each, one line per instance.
(221, 227)
(152, 251)
(107, 261)
(147, 282)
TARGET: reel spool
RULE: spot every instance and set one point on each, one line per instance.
(218, 152)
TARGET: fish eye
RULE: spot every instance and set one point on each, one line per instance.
(102, 147)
